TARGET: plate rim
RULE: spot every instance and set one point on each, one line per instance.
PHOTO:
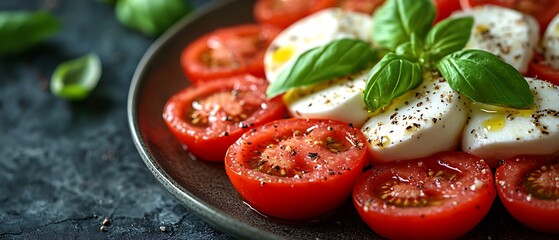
(216, 218)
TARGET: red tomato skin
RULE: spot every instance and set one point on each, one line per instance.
(213, 146)
(445, 8)
(429, 222)
(293, 199)
(538, 69)
(196, 70)
(542, 10)
(537, 214)
(272, 13)
(362, 6)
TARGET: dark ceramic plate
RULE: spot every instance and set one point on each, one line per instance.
(203, 187)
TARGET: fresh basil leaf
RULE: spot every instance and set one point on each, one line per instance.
(75, 79)
(393, 76)
(396, 20)
(483, 77)
(336, 59)
(20, 31)
(448, 36)
(151, 17)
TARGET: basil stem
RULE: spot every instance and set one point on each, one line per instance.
(151, 17)
(20, 31)
(448, 36)
(483, 77)
(75, 79)
(396, 20)
(393, 76)
(336, 59)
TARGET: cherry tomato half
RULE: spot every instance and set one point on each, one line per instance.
(297, 169)
(211, 116)
(445, 8)
(438, 197)
(529, 189)
(282, 13)
(227, 52)
(539, 69)
(542, 10)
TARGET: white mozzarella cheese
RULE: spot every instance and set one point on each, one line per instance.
(313, 31)
(503, 133)
(507, 33)
(419, 123)
(340, 99)
(550, 43)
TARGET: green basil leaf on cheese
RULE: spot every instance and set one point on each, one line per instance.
(396, 20)
(393, 76)
(150, 17)
(20, 31)
(336, 59)
(448, 36)
(75, 79)
(483, 77)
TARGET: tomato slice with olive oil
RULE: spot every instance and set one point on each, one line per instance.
(528, 186)
(208, 117)
(439, 197)
(297, 169)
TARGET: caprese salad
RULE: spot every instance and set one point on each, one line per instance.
(406, 106)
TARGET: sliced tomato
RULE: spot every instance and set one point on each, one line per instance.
(438, 197)
(282, 13)
(363, 6)
(297, 169)
(542, 10)
(529, 190)
(211, 116)
(539, 69)
(228, 52)
(445, 8)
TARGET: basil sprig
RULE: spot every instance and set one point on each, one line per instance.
(20, 31)
(75, 79)
(336, 59)
(150, 17)
(397, 20)
(479, 75)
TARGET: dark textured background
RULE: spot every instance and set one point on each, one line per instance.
(65, 166)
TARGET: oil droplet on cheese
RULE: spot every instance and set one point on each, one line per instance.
(495, 123)
(282, 54)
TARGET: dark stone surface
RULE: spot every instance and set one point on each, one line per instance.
(66, 166)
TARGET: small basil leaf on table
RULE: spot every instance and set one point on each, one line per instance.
(393, 76)
(336, 59)
(483, 77)
(151, 17)
(396, 20)
(448, 36)
(20, 31)
(75, 79)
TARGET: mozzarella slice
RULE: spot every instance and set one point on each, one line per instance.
(313, 31)
(550, 43)
(419, 123)
(340, 99)
(503, 133)
(507, 33)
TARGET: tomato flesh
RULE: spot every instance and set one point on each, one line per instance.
(282, 13)
(228, 52)
(210, 116)
(539, 69)
(297, 169)
(439, 197)
(542, 10)
(445, 8)
(529, 190)
(363, 6)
